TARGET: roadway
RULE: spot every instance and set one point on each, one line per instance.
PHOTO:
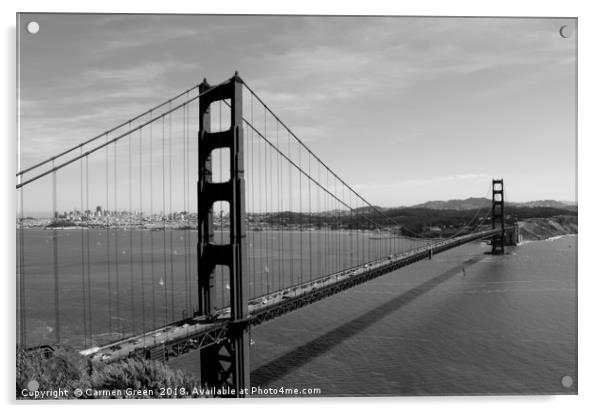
(201, 331)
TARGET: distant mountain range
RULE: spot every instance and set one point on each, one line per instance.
(458, 205)
(475, 203)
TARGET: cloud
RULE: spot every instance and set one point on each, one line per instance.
(60, 120)
(145, 37)
(432, 181)
(348, 87)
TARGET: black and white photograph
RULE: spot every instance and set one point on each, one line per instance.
(295, 206)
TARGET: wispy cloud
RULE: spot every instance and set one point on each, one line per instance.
(431, 181)
(436, 95)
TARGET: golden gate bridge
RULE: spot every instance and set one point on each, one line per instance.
(215, 217)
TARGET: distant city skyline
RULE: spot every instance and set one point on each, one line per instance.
(406, 110)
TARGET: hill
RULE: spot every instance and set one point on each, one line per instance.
(543, 228)
(456, 204)
(476, 203)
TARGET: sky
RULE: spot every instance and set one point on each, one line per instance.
(405, 109)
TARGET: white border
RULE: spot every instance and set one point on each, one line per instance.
(589, 198)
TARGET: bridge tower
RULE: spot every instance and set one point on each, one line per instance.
(225, 364)
(497, 216)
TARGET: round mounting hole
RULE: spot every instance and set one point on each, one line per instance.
(566, 31)
(567, 381)
(33, 27)
(33, 385)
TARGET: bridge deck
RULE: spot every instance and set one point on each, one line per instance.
(199, 332)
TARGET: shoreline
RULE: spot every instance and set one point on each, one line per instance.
(549, 239)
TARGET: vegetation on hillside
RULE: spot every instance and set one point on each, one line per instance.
(64, 368)
(543, 228)
(425, 222)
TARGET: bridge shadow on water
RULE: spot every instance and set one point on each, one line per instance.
(281, 366)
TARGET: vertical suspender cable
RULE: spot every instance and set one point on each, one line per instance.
(171, 217)
(339, 230)
(309, 215)
(261, 164)
(290, 205)
(83, 231)
(327, 222)
(272, 234)
(187, 192)
(55, 259)
(151, 222)
(319, 214)
(261, 236)
(248, 204)
(163, 219)
(251, 168)
(89, 301)
(116, 234)
(21, 281)
(301, 224)
(280, 214)
(130, 223)
(266, 216)
(185, 211)
(108, 234)
(141, 232)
